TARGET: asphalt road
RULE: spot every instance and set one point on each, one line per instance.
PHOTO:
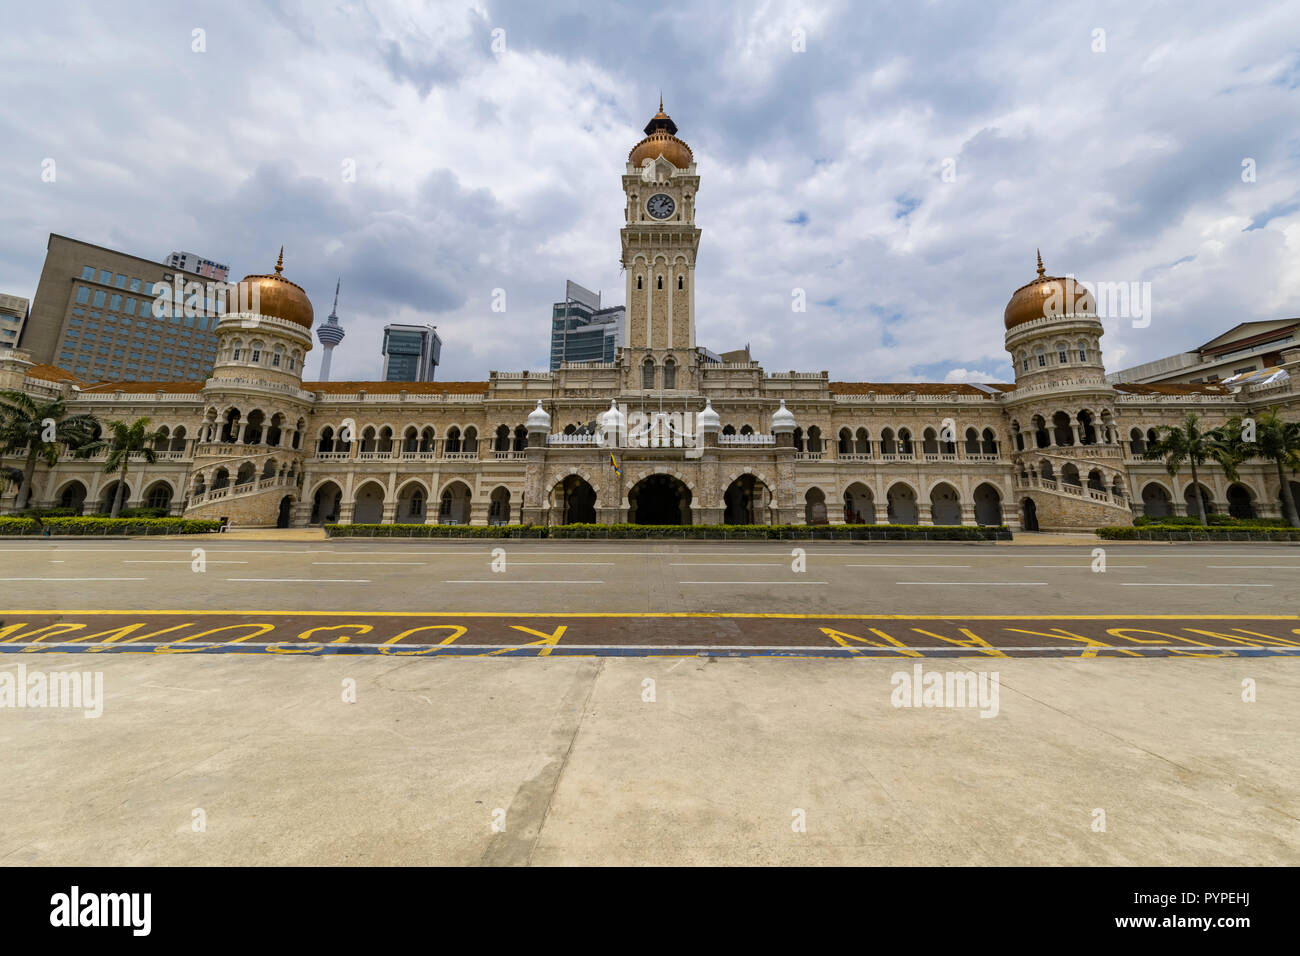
(641, 576)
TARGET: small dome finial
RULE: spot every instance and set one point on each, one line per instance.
(279, 264)
(1041, 272)
(661, 101)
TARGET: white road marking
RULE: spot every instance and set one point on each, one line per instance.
(174, 561)
(763, 583)
(1109, 567)
(981, 584)
(727, 564)
(517, 581)
(591, 564)
(1209, 584)
(74, 579)
(372, 564)
(302, 580)
(1273, 567)
(907, 565)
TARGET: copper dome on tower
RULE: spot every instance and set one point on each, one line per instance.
(1047, 296)
(278, 297)
(660, 140)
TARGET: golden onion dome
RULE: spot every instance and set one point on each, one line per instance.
(661, 141)
(278, 297)
(1046, 296)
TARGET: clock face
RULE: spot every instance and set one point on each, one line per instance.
(660, 206)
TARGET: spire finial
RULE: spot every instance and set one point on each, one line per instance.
(334, 311)
(1041, 272)
(661, 101)
(279, 264)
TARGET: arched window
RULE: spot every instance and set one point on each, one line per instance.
(1083, 351)
(659, 282)
(1062, 356)
(679, 282)
(648, 374)
(1041, 356)
(638, 282)
(670, 374)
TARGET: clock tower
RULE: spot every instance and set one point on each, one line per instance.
(660, 241)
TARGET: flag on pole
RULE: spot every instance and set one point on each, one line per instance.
(613, 463)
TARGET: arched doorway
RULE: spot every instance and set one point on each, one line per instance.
(575, 500)
(453, 505)
(945, 504)
(158, 495)
(411, 501)
(1029, 517)
(859, 505)
(1156, 502)
(325, 503)
(73, 496)
(499, 506)
(109, 493)
(1207, 500)
(814, 507)
(369, 505)
(1240, 504)
(659, 499)
(988, 505)
(902, 504)
(286, 509)
(745, 501)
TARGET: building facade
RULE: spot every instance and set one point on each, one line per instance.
(411, 353)
(694, 440)
(93, 316)
(189, 262)
(13, 316)
(581, 331)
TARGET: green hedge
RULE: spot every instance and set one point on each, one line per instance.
(1181, 532)
(1146, 521)
(677, 532)
(105, 526)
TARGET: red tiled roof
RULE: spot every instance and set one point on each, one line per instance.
(52, 373)
(1204, 388)
(137, 388)
(393, 388)
(920, 388)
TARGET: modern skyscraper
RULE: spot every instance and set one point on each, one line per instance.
(13, 315)
(93, 315)
(581, 331)
(411, 353)
(330, 334)
(189, 262)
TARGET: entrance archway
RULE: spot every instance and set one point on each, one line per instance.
(902, 504)
(859, 505)
(1156, 502)
(945, 504)
(745, 501)
(988, 505)
(369, 505)
(814, 508)
(453, 505)
(575, 500)
(325, 503)
(286, 509)
(1029, 520)
(659, 499)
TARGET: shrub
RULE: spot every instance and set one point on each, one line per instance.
(45, 513)
(1181, 532)
(107, 526)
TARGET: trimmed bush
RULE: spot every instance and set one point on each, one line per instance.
(1181, 532)
(1146, 521)
(677, 532)
(106, 526)
(45, 513)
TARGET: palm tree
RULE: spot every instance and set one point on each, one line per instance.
(1187, 443)
(1276, 441)
(124, 441)
(36, 428)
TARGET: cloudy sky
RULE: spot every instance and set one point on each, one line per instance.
(1112, 136)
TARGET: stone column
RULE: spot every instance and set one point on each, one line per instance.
(968, 514)
(924, 515)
